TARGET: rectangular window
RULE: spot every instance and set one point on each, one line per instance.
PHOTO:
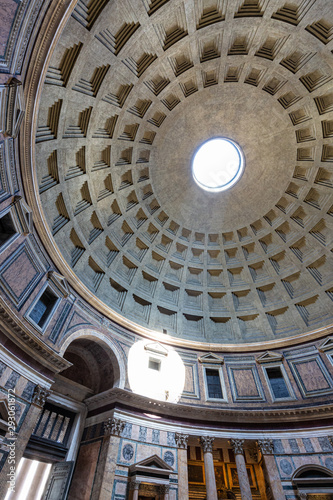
(42, 309)
(213, 384)
(154, 364)
(7, 228)
(277, 382)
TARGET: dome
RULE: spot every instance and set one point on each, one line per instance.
(124, 106)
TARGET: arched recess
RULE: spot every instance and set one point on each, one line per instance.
(313, 479)
(97, 362)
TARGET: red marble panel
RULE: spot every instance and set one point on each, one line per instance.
(85, 471)
(245, 382)
(19, 274)
(312, 376)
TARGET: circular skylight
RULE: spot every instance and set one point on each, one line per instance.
(217, 164)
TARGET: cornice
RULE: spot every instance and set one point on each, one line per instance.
(15, 329)
(118, 397)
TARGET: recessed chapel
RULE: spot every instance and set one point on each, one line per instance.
(166, 249)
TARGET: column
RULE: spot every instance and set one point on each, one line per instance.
(266, 447)
(244, 484)
(134, 488)
(164, 491)
(207, 447)
(181, 441)
(106, 467)
(21, 441)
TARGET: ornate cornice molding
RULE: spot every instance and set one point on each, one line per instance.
(36, 348)
(217, 415)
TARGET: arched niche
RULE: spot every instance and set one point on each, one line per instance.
(96, 362)
(313, 479)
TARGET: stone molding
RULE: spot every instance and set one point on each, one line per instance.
(40, 395)
(33, 346)
(181, 440)
(215, 415)
(164, 489)
(207, 443)
(237, 446)
(266, 446)
(114, 427)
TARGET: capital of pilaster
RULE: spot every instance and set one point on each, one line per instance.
(266, 446)
(207, 443)
(164, 489)
(181, 440)
(134, 485)
(237, 446)
(39, 396)
(114, 426)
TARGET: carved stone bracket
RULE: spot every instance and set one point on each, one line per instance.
(266, 446)
(237, 446)
(207, 443)
(40, 395)
(181, 440)
(114, 426)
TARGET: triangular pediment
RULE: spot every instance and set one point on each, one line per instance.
(269, 356)
(327, 345)
(153, 462)
(157, 348)
(60, 282)
(210, 357)
(23, 215)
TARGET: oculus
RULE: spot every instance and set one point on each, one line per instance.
(217, 164)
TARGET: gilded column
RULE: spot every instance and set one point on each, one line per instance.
(243, 478)
(181, 441)
(207, 447)
(266, 447)
(106, 467)
(17, 444)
